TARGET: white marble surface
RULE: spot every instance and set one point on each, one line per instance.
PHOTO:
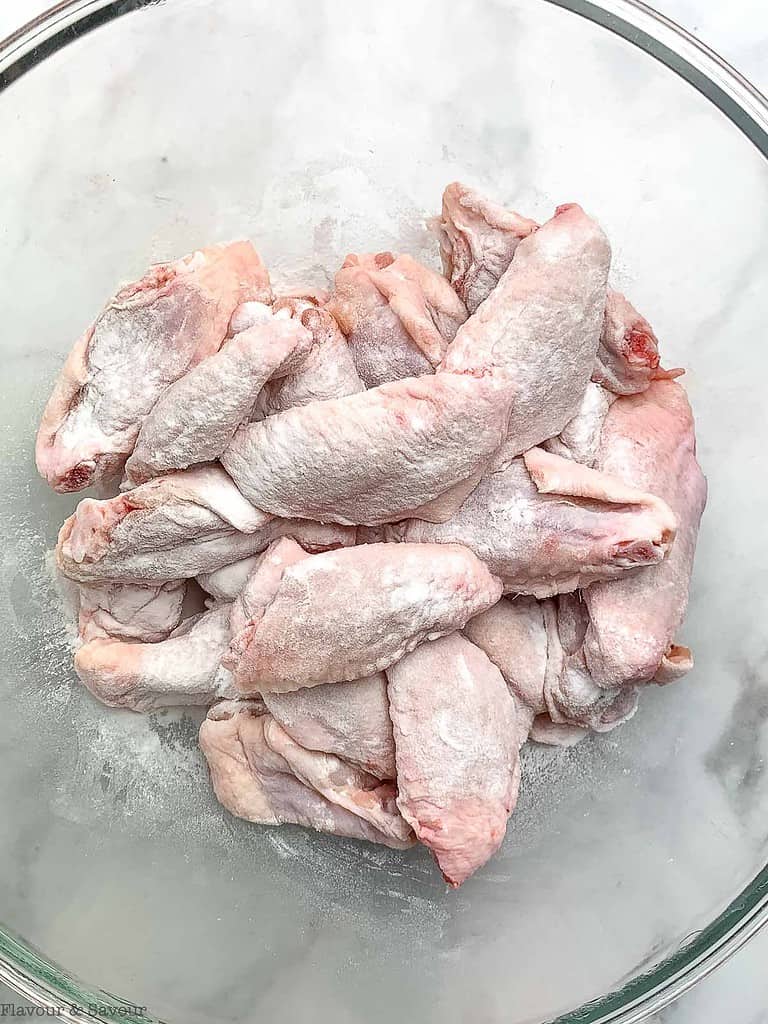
(738, 30)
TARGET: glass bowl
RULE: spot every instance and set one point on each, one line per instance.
(635, 863)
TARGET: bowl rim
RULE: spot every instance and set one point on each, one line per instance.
(25, 969)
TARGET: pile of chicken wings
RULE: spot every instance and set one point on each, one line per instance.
(386, 534)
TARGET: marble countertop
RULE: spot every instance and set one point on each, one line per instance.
(739, 31)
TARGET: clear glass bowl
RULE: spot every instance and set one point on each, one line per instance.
(635, 863)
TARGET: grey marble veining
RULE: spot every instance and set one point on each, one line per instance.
(713, 821)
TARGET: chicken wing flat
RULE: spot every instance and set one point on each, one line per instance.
(539, 328)
(546, 525)
(456, 748)
(196, 417)
(174, 527)
(292, 624)
(648, 440)
(148, 336)
(413, 446)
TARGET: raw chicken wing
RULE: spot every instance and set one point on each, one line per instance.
(127, 611)
(303, 620)
(537, 647)
(539, 328)
(342, 784)
(478, 239)
(183, 670)
(628, 353)
(456, 747)
(328, 370)
(415, 446)
(546, 525)
(348, 719)
(256, 782)
(648, 441)
(174, 527)
(196, 417)
(580, 437)
(226, 583)
(148, 336)
(398, 316)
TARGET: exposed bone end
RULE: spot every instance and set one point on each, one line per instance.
(676, 663)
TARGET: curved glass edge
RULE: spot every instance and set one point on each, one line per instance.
(670, 44)
(26, 971)
(54, 29)
(32, 975)
(656, 988)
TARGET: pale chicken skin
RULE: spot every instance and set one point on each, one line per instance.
(415, 446)
(292, 625)
(572, 696)
(478, 239)
(648, 440)
(196, 417)
(580, 437)
(148, 336)
(175, 527)
(182, 670)
(253, 779)
(327, 371)
(456, 748)
(537, 646)
(128, 611)
(249, 314)
(225, 584)
(513, 635)
(341, 783)
(545, 525)
(398, 315)
(349, 719)
(539, 328)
